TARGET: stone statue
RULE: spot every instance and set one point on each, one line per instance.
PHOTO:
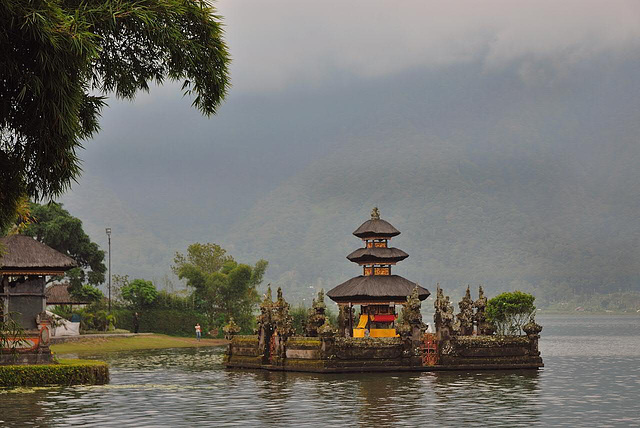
(485, 328)
(375, 213)
(411, 325)
(326, 329)
(533, 329)
(264, 319)
(465, 317)
(283, 322)
(317, 316)
(265, 325)
(231, 329)
(443, 318)
(345, 314)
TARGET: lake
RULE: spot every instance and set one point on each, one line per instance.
(591, 378)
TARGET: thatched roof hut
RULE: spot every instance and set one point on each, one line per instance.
(376, 289)
(24, 255)
(58, 294)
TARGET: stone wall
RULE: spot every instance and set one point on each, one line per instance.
(338, 354)
(491, 352)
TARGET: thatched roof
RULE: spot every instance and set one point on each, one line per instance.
(376, 228)
(376, 288)
(58, 294)
(377, 255)
(26, 256)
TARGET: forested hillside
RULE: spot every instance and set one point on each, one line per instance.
(520, 199)
(491, 179)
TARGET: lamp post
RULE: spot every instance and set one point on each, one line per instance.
(108, 230)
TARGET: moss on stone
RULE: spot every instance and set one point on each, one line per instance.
(490, 341)
(369, 342)
(244, 339)
(302, 342)
(66, 372)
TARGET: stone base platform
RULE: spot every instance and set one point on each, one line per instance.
(356, 355)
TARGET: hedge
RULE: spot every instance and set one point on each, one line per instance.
(66, 372)
(173, 322)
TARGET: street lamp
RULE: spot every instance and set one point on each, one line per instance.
(108, 230)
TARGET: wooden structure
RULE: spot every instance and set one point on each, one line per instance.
(58, 294)
(377, 291)
(24, 266)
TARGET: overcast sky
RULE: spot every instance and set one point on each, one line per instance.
(306, 74)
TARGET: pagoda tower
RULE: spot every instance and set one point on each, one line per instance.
(377, 291)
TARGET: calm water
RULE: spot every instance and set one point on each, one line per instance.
(591, 378)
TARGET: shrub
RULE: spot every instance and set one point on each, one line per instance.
(67, 372)
(510, 311)
(299, 315)
(166, 300)
(173, 322)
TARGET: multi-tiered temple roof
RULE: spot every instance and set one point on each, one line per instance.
(376, 284)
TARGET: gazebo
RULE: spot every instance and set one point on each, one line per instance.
(23, 268)
(377, 291)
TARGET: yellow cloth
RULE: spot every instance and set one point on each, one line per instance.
(358, 332)
(383, 332)
(363, 321)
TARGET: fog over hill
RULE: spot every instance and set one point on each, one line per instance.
(509, 162)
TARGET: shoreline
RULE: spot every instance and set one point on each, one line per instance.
(87, 345)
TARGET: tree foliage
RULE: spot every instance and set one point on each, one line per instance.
(55, 227)
(60, 57)
(208, 257)
(86, 293)
(510, 311)
(223, 288)
(139, 293)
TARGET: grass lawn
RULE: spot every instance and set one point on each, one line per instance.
(156, 341)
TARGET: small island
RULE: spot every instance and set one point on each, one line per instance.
(484, 335)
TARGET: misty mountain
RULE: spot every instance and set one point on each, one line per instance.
(542, 193)
(491, 178)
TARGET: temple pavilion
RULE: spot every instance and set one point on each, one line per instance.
(377, 291)
(24, 267)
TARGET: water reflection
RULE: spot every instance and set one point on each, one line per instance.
(580, 386)
(503, 398)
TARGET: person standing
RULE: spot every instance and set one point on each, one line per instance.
(198, 331)
(136, 322)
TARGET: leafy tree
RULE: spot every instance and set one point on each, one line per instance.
(223, 288)
(207, 257)
(86, 293)
(510, 311)
(139, 293)
(60, 57)
(55, 227)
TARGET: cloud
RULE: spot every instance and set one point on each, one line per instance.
(276, 43)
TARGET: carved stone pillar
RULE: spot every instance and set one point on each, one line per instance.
(533, 329)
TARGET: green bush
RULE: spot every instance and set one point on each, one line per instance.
(299, 314)
(67, 372)
(173, 322)
(510, 311)
(167, 300)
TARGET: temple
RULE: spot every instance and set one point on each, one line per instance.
(24, 266)
(380, 339)
(377, 291)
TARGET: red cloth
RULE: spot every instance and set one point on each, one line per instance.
(383, 318)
